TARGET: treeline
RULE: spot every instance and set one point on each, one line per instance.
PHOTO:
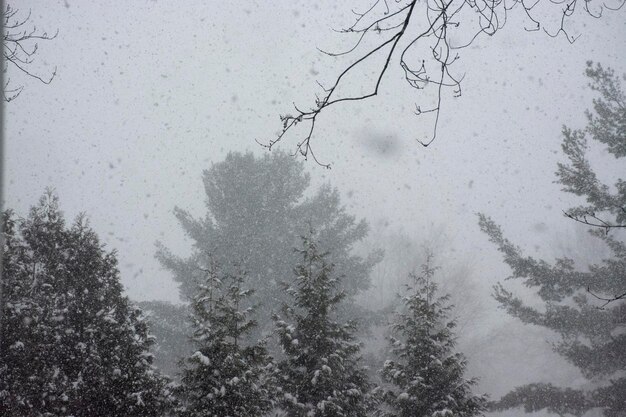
(74, 345)
(270, 325)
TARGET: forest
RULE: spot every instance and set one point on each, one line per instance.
(395, 252)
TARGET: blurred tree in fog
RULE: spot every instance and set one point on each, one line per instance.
(256, 212)
(20, 47)
(257, 209)
(71, 344)
(585, 307)
(425, 376)
(405, 254)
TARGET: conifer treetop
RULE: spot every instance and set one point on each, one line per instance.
(321, 375)
(424, 375)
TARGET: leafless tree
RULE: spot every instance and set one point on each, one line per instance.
(20, 45)
(399, 38)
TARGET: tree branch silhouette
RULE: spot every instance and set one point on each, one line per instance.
(19, 48)
(393, 21)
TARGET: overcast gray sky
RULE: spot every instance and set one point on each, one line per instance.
(149, 93)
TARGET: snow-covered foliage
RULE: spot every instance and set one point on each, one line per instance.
(605, 208)
(71, 344)
(586, 308)
(425, 376)
(541, 396)
(225, 376)
(321, 374)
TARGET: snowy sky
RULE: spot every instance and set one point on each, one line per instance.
(149, 93)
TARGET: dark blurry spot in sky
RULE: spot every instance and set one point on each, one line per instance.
(382, 144)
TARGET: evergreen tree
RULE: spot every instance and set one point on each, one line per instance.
(225, 377)
(256, 211)
(72, 344)
(171, 323)
(320, 375)
(605, 208)
(425, 376)
(586, 308)
(539, 396)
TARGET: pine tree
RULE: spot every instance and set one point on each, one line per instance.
(586, 308)
(71, 344)
(256, 209)
(539, 396)
(320, 375)
(425, 376)
(225, 377)
(170, 322)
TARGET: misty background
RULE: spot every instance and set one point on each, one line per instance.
(149, 93)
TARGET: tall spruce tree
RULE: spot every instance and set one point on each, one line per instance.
(72, 344)
(225, 376)
(586, 308)
(321, 375)
(425, 376)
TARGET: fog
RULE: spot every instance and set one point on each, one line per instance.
(148, 94)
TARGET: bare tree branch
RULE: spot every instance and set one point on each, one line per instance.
(443, 17)
(594, 222)
(607, 300)
(19, 48)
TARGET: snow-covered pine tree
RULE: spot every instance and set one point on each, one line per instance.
(321, 374)
(425, 376)
(72, 344)
(586, 308)
(225, 376)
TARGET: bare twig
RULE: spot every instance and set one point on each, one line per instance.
(594, 222)
(442, 18)
(607, 300)
(20, 47)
